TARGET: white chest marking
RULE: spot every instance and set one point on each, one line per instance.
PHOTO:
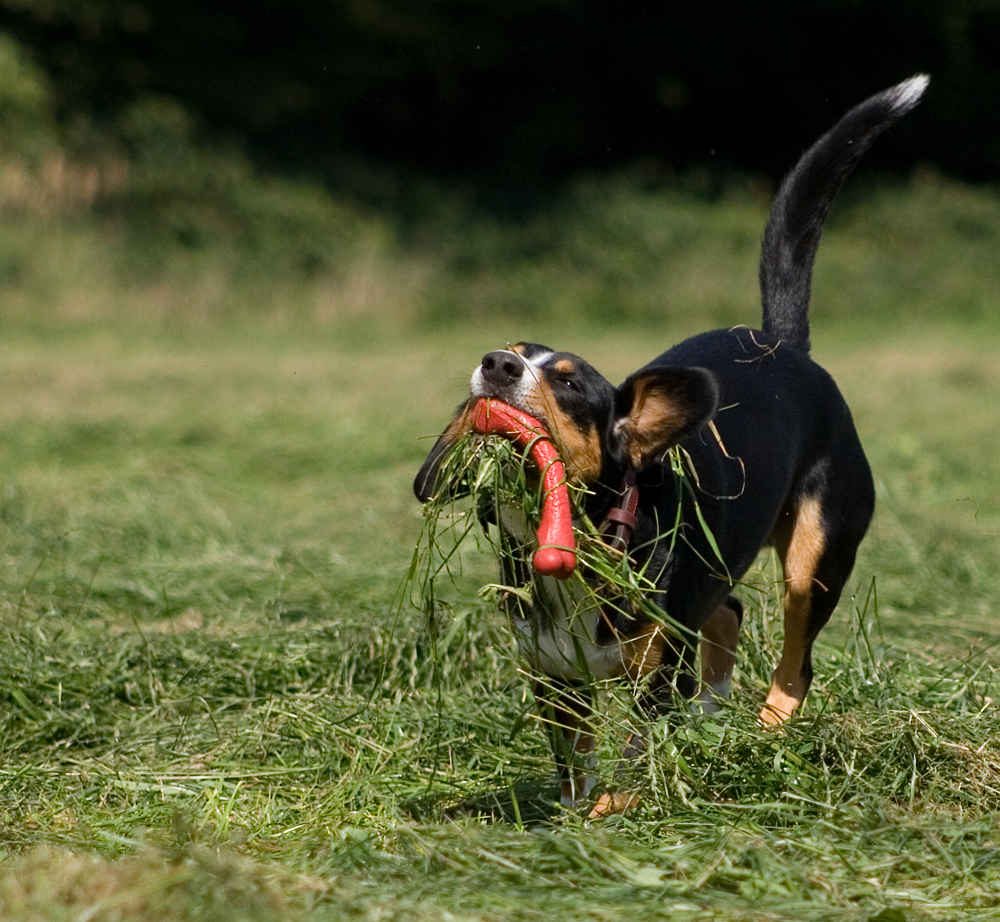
(565, 646)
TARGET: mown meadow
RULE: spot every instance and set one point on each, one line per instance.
(217, 698)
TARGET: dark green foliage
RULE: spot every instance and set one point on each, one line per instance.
(519, 93)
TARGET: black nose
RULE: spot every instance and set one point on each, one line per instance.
(502, 368)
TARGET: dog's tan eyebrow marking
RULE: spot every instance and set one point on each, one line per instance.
(565, 367)
(521, 350)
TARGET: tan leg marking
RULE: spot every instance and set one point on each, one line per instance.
(644, 652)
(801, 546)
(719, 636)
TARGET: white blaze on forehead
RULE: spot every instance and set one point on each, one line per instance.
(537, 360)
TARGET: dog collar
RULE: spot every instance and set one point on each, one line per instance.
(620, 519)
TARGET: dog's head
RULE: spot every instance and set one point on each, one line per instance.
(596, 427)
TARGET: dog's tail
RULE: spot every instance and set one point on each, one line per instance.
(795, 225)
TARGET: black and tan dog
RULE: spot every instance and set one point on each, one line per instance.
(781, 464)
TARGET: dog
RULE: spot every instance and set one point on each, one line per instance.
(775, 460)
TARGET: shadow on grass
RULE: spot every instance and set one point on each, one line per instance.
(530, 803)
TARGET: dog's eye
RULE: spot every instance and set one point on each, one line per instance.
(570, 383)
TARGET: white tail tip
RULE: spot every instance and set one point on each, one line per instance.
(907, 94)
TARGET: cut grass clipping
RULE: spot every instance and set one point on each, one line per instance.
(883, 726)
(482, 475)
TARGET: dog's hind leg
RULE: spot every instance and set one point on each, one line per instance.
(817, 550)
(801, 541)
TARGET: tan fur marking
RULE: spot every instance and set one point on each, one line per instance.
(459, 425)
(719, 636)
(580, 451)
(780, 706)
(800, 546)
(564, 367)
(643, 653)
(648, 426)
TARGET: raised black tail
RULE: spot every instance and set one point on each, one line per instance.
(795, 225)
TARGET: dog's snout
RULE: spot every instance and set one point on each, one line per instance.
(502, 368)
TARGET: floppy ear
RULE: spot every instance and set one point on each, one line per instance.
(657, 407)
(423, 484)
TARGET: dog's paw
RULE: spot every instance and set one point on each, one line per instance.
(782, 703)
(609, 804)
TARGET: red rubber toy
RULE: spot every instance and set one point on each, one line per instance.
(556, 553)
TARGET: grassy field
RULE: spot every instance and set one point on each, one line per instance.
(216, 698)
(216, 703)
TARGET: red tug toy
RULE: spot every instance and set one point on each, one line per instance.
(556, 553)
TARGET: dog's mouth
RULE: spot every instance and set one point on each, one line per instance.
(555, 554)
(501, 398)
(517, 409)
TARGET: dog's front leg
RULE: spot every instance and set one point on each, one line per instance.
(621, 801)
(719, 635)
(566, 711)
(673, 676)
(718, 654)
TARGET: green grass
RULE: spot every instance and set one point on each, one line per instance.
(214, 702)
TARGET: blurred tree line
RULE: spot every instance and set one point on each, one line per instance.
(515, 92)
(353, 158)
